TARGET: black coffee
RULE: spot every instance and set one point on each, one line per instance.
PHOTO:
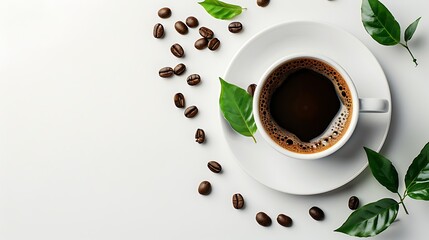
(305, 105)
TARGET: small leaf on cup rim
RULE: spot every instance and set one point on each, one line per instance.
(236, 106)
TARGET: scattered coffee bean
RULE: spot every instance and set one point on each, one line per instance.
(263, 219)
(158, 30)
(201, 43)
(238, 201)
(177, 50)
(353, 203)
(206, 33)
(166, 72)
(200, 136)
(263, 3)
(164, 12)
(179, 69)
(181, 27)
(316, 213)
(205, 188)
(214, 166)
(284, 220)
(214, 44)
(235, 27)
(251, 89)
(192, 22)
(193, 79)
(179, 100)
(191, 111)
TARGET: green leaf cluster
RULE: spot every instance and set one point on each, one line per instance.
(374, 218)
(236, 106)
(380, 23)
(221, 10)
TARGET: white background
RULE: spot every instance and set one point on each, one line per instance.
(92, 146)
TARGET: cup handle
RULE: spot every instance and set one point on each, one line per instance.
(373, 105)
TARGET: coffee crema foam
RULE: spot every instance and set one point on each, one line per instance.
(339, 123)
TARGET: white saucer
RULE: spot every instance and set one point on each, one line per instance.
(305, 177)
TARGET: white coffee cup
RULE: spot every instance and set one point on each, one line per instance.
(372, 105)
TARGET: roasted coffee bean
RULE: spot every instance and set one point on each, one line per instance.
(205, 188)
(251, 89)
(263, 3)
(353, 203)
(181, 27)
(235, 27)
(214, 44)
(177, 50)
(179, 69)
(214, 166)
(206, 33)
(237, 201)
(201, 43)
(158, 30)
(316, 213)
(166, 72)
(164, 12)
(263, 219)
(284, 220)
(191, 111)
(179, 100)
(193, 79)
(192, 22)
(200, 136)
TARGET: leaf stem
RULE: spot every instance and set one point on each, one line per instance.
(402, 203)
(408, 49)
(405, 194)
(254, 139)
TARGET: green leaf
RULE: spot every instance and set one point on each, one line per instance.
(409, 32)
(236, 106)
(417, 177)
(383, 170)
(221, 10)
(371, 219)
(380, 23)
